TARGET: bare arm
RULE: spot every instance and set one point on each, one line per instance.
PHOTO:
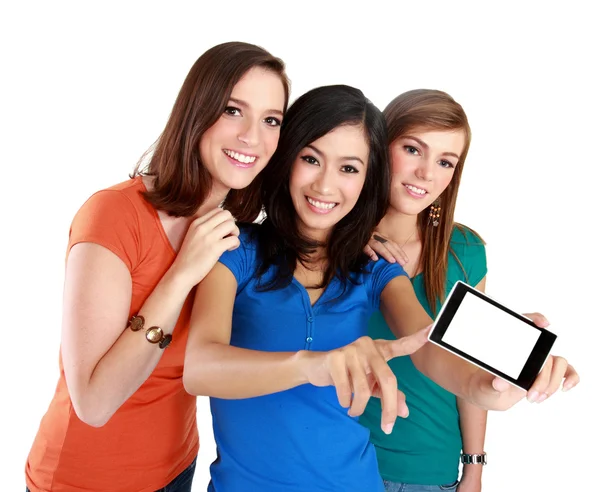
(473, 423)
(104, 362)
(213, 367)
(405, 315)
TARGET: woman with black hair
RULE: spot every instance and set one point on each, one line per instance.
(277, 336)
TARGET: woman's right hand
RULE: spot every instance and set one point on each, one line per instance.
(207, 238)
(386, 248)
(360, 370)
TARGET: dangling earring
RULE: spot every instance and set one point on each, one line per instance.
(434, 213)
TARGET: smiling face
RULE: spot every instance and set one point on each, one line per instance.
(239, 145)
(327, 178)
(423, 164)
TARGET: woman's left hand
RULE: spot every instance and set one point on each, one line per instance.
(387, 248)
(470, 483)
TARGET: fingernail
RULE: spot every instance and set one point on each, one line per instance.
(533, 396)
(542, 398)
(404, 413)
(387, 428)
(567, 386)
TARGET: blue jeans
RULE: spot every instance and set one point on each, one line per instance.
(407, 487)
(181, 483)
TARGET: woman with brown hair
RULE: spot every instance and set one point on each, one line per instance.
(429, 137)
(120, 419)
(278, 329)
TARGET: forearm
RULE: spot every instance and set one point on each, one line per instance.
(473, 423)
(447, 370)
(223, 371)
(131, 359)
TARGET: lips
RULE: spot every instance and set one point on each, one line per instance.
(319, 206)
(241, 160)
(415, 191)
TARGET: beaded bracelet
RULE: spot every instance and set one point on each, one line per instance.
(154, 334)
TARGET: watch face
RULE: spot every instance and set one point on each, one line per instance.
(154, 334)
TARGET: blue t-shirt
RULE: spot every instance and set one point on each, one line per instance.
(300, 439)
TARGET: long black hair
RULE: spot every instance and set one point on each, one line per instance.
(280, 242)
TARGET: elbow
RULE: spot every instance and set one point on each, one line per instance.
(90, 414)
(420, 361)
(188, 383)
(192, 377)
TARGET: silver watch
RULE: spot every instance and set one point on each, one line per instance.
(473, 459)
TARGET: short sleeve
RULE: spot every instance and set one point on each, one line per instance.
(242, 260)
(382, 273)
(470, 249)
(108, 218)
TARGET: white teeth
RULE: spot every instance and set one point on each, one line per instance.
(324, 206)
(244, 159)
(415, 189)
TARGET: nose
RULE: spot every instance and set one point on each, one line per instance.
(249, 133)
(324, 183)
(425, 170)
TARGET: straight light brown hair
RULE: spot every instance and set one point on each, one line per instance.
(432, 110)
(181, 182)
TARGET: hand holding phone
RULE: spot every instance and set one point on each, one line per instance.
(492, 336)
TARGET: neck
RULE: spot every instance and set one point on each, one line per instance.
(318, 257)
(398, 226)
(212, 201)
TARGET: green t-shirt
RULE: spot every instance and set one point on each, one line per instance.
(425, 447)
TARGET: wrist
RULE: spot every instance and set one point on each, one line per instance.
(176, 281)
(472, 472)
(304, 362)
(473, 461)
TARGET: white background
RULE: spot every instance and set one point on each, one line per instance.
(86, 87)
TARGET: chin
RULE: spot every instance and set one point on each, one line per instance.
(238, 184)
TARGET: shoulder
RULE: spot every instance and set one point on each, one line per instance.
(249, 236)
(463, 235)
(381, 265)
(120, 200)
(378, 273)
(467, 249)
(243, 259)
(466, 242)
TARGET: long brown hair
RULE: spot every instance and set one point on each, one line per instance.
(181, 182)
(426, 109)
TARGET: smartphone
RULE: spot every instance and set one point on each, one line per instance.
(488, 334)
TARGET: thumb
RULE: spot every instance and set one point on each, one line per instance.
(538, 318)
(500, 385)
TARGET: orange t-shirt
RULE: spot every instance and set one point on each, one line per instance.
(153, 437)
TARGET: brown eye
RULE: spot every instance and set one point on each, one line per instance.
(272, 121)
(231, 111)
(310, 159)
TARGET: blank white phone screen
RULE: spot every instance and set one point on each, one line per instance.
(491, 335)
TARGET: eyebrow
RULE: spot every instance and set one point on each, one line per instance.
(345, 158)
(423, 144)
(244, 104)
